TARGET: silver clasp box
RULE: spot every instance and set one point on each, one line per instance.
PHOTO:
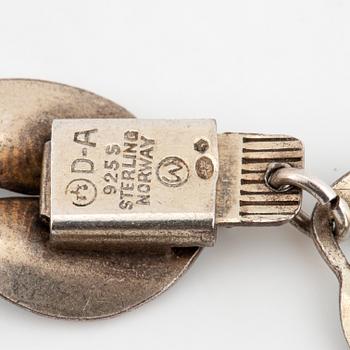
(111, 183)
(132, 182)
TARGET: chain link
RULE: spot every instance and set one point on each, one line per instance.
(282, 177)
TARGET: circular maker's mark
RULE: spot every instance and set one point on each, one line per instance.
(82, 192)
(173, 172)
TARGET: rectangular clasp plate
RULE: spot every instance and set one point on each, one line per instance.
(132, 182)
(243, 198)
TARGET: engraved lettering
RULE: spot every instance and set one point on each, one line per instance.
(113, 149)
(127, 186)
(131, 135)
(146, 142)
(82, 166)
(128, 175)
(145, 171)
(126, 205)
(83, 137)
(136, 170)
(143, 200)
(145, 150)
(130, 147)
(129, 161)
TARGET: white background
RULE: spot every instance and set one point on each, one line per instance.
(261, 66)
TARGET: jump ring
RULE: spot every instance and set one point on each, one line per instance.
(280, 176)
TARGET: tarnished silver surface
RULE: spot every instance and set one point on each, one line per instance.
(279, 176)
(86, 285)
(132, 182)
(77, 285)
(55, 283)
(331, 252)
(27, 109)
(243, 198)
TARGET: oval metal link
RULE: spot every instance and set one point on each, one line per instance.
(330, 250)
(279, 175)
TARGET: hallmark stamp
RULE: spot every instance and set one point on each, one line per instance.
(204, 168)
(173, 172)
(82, 192)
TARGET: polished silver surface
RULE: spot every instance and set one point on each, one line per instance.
(132, 182)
